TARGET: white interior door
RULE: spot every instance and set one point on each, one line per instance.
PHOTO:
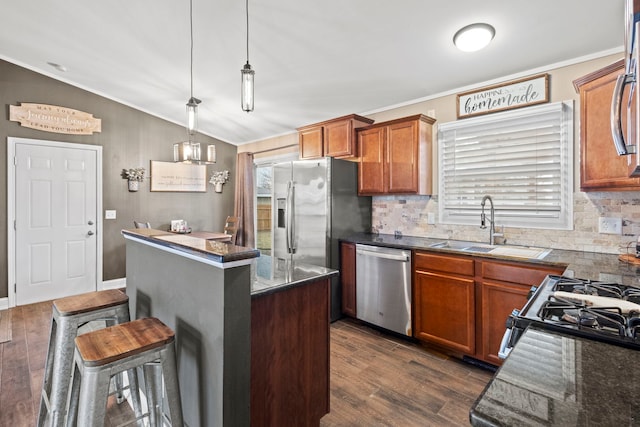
(56, 221)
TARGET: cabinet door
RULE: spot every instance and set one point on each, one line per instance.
(402, 157)
(338, 139)
(498, 301)
(445, 310)
(371, 170)
(310, 142)
(600, 166)
(348, 278)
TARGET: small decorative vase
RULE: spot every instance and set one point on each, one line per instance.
(134, 185)
(218, 187)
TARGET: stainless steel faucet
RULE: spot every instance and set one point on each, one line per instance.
(483, 219)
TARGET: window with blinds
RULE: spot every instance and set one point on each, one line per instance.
(521, 158)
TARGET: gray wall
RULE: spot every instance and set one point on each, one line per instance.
(130, 138)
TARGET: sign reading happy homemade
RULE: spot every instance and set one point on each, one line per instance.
(506, 96)
(51, 118)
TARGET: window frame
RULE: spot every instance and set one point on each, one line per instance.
(560, 219)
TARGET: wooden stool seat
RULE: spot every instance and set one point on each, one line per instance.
(90, 301)
(143, 343)
(116, 342)
(68, 316)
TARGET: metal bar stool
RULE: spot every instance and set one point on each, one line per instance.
(69, 314)
(106, 352)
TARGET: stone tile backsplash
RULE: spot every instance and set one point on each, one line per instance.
(408, 215)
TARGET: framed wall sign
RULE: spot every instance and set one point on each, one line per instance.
(505, 96)
(169, 176)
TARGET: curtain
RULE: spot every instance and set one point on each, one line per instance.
(244, 200)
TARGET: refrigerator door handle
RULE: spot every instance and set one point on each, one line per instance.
(287, 226)
(292, 218)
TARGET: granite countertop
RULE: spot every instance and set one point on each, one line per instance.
(210, 249)
(553, 379)
(275, 275)
(585, 265)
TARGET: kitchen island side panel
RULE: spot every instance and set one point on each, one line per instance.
(209, 308)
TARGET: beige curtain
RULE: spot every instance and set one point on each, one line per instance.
(244, 200)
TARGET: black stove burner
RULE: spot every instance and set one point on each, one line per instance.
(607, 324)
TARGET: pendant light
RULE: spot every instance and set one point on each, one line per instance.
(247, 75)
(192, 103)
(189, 151)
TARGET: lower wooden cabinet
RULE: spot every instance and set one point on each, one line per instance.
(348, 278)
(462, 302)
(444, 301)
(503, 287)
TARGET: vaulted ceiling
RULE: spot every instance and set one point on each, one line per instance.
(314, 60)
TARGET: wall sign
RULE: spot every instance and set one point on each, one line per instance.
(52, 118)
(169, 176)
(505, 96)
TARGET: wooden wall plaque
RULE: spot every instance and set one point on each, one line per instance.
(168, 176)
(53, 118)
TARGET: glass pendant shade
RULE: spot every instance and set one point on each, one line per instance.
(186, 152)
(247, 75)
(192, 115)
(190, 152)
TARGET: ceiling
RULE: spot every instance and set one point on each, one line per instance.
(314, 60)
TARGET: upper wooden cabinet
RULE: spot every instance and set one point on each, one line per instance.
(332, 138)
(395, 156)
(601, 169)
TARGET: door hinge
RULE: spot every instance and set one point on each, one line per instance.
(15, 160)
(14, 224)
(15, 288)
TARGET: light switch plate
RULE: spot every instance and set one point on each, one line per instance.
(109, 214)
(610, 225)
(431, 218)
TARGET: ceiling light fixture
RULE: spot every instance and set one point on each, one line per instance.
(474, 37)
(189, 151)
(247, 75)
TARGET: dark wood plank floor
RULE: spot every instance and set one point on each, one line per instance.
(376, 379)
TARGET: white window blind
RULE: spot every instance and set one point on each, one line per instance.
(521, 158)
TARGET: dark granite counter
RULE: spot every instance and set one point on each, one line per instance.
(212, 250)
(552, 379)
(275, 275)
(587, 265)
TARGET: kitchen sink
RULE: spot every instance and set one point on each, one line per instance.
(525, 252)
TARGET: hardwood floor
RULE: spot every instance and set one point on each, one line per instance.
(376, 379)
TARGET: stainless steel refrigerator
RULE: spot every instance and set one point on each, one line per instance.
(316, 202)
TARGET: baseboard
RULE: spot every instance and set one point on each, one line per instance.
(114, 284)
(4, 303)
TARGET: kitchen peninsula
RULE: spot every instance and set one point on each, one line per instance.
(252, 334)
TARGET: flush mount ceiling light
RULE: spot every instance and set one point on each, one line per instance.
(189, 151)
(247, 75)
(474, 37)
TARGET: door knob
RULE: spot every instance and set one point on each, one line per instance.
(90, 222)
(90, 233)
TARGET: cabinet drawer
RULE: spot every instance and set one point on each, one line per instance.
(517, 273)
(444, 263)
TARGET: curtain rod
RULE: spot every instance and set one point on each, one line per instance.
(275, 149)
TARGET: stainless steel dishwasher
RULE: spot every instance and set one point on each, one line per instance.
(383, 287)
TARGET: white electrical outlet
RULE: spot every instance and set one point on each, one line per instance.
(610, 225)
(109, 214)
(431, 218)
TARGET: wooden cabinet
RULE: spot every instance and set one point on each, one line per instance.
(462, 302)
(601, 169)
(444, 301)
(333, 138)
(348, 278)
(395, 157)
(503, 287)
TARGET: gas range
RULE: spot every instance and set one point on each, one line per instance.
(603, 311)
